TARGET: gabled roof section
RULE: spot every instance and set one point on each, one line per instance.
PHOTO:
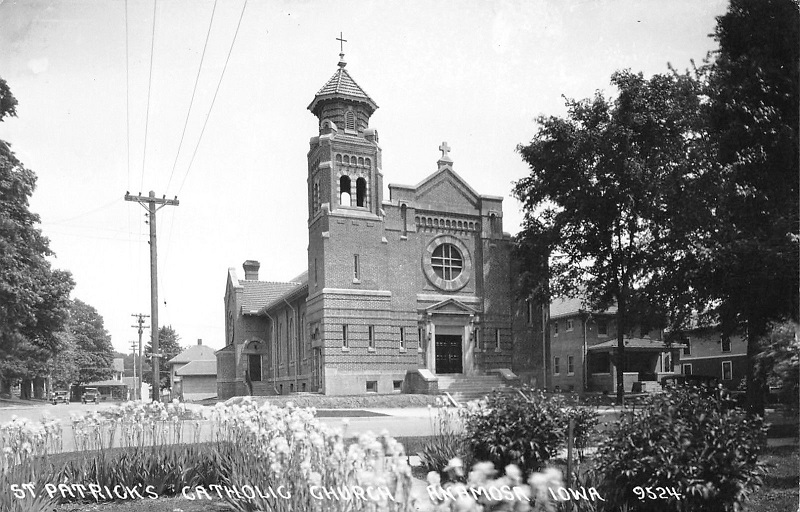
(204, 367)
(573, 306)
(342, 86)
(258, 294)
(193, 353)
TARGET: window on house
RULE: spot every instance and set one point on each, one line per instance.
(371, 336)
(397, 385)
(686, 369)
(361, 192)
(556, 365)
(555, 328)
(404, 218)
(372, 386)
(667, 362)
(402, 338)
(687, 349)
(356, 267)
(316, 272)
(570, 324)
(727, 370)
(602, 328)
(344, 190)
(726, 344)
(497, 339)
(571, 365)
(345, 341)
(254, 367)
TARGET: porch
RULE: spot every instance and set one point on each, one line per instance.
(646, 362)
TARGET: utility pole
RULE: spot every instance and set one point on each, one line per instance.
(152, 201)
(140, 320)
(135, 382)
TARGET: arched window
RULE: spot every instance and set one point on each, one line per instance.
(360, 160)
(344, 190)
(350, 120)
(367, 162)
(338, 159)
(361, 191)
(346, 160)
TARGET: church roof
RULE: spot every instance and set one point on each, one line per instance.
(342, 86)
(193, 353)
(258, 294)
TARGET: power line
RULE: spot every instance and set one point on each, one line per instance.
(214, 99)
(127, 99)
(149, 87)
(194, 90)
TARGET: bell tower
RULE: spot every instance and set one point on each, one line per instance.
(345, 182)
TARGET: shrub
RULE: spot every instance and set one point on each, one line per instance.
(525, 430)
(695, 443)
(446, 443)
(585, 421)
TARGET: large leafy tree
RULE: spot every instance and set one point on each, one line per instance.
(168, 347)
(34, 298)
(748, 242)
(601, 183)
(93, 352)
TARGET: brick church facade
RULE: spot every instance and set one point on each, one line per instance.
(397, 291)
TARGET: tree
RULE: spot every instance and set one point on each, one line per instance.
(34, 298)
(169, 347)
(602, 182)
(744, 269)
(94, 354)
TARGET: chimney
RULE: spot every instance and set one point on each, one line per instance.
(199, 341)
(251, 270)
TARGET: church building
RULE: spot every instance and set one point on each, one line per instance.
(399, 292)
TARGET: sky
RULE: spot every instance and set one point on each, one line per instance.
(105, 90)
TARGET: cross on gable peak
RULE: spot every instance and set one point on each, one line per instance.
(445, 149)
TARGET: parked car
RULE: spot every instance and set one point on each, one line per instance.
(60, 397)
(90, 395)
(708, 382)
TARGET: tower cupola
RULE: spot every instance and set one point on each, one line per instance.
(342, 101)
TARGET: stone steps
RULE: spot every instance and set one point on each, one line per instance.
(466, 388)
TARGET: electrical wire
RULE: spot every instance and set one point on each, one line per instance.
(214, 99)
(194, 90)
(149, 88)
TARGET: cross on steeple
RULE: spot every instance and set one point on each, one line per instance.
(341, 42)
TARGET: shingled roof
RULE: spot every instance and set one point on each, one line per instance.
(341, 86)
(572, 306)
(258, 294)
(198, 368)
(193, 353)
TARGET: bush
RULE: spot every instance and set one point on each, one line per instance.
(695, 443)
(447, 443)
(508, 428)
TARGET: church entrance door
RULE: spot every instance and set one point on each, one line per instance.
(448, 353)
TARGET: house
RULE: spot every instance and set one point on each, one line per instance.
(193, 373)
(706, 351)
(397, 292)
(583, 345)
